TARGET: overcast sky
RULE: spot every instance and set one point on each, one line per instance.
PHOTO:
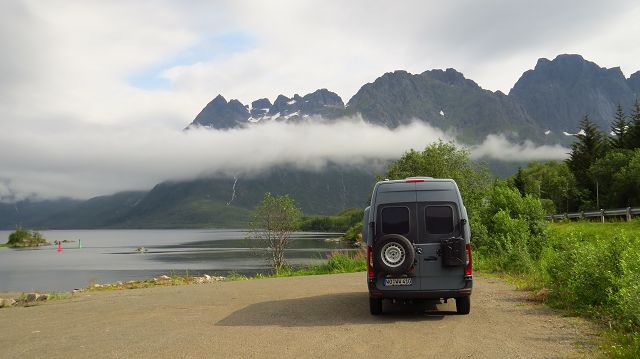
(83, 84)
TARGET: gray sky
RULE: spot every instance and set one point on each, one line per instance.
(93, 92)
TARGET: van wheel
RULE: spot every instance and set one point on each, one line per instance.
(463, 305)
(375, 306)
(393, 254)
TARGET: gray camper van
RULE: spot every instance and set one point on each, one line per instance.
(418, 243)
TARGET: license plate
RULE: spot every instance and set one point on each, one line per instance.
(390, 282)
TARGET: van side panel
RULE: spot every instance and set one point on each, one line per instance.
(366, 229)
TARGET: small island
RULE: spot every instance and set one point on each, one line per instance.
(23, 238)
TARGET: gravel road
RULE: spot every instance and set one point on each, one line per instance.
(300, 317)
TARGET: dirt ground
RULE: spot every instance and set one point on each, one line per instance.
(300, 317)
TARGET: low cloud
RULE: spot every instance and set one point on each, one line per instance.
(497, 147)
(95, 160)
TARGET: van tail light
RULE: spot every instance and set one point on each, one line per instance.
(469, 269)
(370, 273)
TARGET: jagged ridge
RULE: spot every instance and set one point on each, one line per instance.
(544, 102)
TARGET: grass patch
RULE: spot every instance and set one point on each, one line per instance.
(59, 295)
(621, 345)
(589, 269)
(337, 263)
(2, 245)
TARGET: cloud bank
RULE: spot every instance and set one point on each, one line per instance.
(90, 161)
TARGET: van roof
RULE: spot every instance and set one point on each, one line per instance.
(417, 179)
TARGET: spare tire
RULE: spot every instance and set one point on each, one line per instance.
(393, 254)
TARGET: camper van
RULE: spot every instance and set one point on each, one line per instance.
(418, 243)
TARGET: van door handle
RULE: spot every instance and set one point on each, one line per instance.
(431, 258)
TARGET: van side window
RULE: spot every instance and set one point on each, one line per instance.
(395, 220)
(439, 219)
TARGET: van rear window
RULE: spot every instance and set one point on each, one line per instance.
(439, 219)
(395, 220)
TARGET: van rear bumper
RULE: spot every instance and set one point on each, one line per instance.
(374, 292)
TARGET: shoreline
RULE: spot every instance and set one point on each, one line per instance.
(337, 264)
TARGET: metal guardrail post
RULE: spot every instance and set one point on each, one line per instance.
(628, 214)
(581, 214)
(602, 215)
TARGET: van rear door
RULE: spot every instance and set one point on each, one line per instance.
(395, 213)
(438, 217)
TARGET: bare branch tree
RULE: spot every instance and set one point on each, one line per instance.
(274, 220)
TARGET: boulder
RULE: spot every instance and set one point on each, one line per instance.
(42, 297)
(31, 297)
(5, 303)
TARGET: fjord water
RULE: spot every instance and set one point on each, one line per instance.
(110, 256)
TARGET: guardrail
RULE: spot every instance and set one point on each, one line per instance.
(627, 213)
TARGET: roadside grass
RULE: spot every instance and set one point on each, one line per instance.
(336, 263)
(59, 295)
(2, 245)
(589, 269)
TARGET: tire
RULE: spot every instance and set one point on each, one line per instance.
(463, 305)
(375, 306)
(393, 254)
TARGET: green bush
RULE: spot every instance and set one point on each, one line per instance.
(354, 233)
(24, 238)
(513, 230)
(340, 222)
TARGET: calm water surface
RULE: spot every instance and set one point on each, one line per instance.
(110, 256)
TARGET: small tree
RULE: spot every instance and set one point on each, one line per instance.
(274, 220)
(446, 160)
(634, 127)
(619, 130)
(590, 145)
(518, 182)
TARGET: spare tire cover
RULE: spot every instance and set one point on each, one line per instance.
(393, 254)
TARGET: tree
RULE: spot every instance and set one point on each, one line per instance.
(619, 130)
(274, 220)
(589, 147)
(613, 188)
(627, 180)
(552, 181)
(518, 182)
(634, 127)
(445, 160)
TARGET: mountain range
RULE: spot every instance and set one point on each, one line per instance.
(203, 202)
(545, 102)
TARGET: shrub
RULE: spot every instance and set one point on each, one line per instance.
(513, 229)
(24, 238)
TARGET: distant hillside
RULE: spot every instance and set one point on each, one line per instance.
(210, 202)
(553, 96)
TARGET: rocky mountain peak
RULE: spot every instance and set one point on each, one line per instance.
(634, 82)
(450, 76)
(559, 92)
(220, 114)
(546, 101)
